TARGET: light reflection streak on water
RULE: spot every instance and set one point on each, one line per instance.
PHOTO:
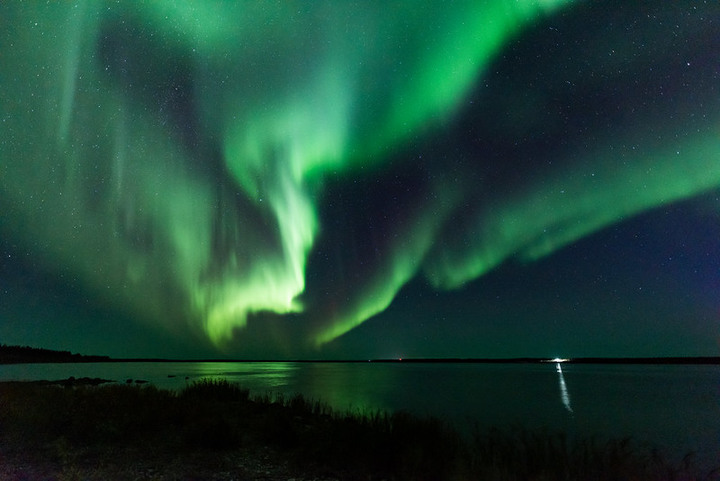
(254, 375)
(564, 395)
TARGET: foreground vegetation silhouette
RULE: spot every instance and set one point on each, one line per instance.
(81, 428)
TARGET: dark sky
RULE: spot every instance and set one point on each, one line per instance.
(357, 180)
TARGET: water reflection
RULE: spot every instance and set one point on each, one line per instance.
(564, 395)
(253, 375)
(611, 400)
(358, 387)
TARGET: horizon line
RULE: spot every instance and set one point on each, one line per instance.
(476, 360)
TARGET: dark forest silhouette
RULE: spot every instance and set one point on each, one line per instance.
(27, 354)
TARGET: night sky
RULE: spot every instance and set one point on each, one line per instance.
(341, 179)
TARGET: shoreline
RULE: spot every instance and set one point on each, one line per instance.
(216, 430)
(31, 355)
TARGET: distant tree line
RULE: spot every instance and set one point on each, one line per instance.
(27, 354)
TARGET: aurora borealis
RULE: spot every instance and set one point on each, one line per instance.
(360, 179)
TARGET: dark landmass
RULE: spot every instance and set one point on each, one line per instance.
(647, 360)
(28, 355)
(445, 360)
(72, 381)
(577, 360)
(214, 430)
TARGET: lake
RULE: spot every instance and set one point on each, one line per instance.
(675, 407)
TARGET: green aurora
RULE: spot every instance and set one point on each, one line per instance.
(175, 160)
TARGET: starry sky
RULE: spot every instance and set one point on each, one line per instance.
(342, 179)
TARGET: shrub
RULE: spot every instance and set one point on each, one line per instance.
(217, 415)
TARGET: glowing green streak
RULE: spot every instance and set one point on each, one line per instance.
(572, 204)
(288, 92)
(450, 63)
(276, 148)
(77, 28)
(405, 261)
(271, 284)
(270, 157)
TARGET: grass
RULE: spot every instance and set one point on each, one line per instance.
(72, 424)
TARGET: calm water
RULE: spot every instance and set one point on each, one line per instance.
(675, 407)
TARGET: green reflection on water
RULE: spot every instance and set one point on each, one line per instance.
(256, 376)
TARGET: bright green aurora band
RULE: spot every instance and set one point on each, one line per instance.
(204, 222)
